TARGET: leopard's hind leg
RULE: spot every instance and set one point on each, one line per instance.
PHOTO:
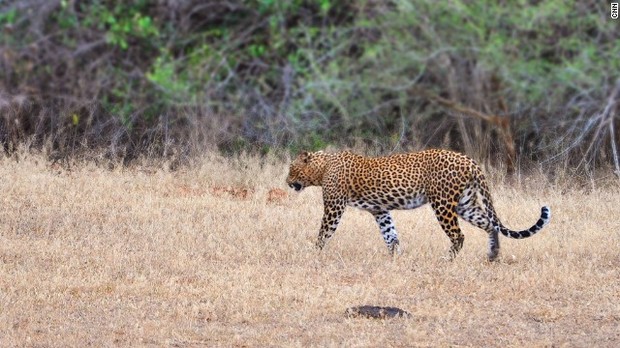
(473, 207)
(448, 219)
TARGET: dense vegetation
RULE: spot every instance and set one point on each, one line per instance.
(520, 81)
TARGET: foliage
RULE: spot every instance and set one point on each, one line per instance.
(307, 73)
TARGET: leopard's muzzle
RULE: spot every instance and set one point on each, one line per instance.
(296, 186)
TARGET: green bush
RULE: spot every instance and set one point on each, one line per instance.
(305, 74)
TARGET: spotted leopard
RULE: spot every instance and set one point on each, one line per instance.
(452, 183)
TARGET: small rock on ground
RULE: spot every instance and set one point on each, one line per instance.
(376, 312)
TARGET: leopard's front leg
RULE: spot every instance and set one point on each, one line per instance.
(388, 231)
(332, 213)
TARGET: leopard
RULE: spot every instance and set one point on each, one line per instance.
(452, 183)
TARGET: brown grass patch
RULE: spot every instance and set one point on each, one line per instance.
(235, 192)
(129, 258)
(188, 191)
(276, 196)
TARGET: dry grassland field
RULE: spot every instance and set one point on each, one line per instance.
(222, 255)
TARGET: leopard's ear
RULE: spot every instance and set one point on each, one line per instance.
(304, 157)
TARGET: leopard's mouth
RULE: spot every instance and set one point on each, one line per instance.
(296, 186)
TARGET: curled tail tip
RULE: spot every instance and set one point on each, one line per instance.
(545, 213)
(545, 217)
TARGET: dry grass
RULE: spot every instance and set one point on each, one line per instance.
(217, 255)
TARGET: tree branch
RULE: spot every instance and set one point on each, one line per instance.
(501, 123)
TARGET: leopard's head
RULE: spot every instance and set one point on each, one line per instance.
(306, 170)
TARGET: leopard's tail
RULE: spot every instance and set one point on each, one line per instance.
(545, 213)
(545, 217)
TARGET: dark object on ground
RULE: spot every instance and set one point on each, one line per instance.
(376, 312)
